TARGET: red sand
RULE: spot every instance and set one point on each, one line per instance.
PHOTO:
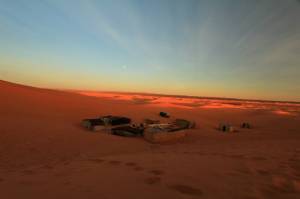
(44, 153)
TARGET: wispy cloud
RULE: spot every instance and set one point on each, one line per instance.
(196, 46)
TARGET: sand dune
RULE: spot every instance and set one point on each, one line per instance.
(45, 153)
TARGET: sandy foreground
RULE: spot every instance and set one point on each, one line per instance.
(44, 153)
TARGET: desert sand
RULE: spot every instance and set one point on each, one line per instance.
(44, 152)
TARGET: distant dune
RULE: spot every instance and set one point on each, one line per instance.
(277, 107)
(179, 96)
(45, 153)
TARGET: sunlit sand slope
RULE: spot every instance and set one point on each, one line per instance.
(44, 153)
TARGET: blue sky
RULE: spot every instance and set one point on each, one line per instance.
(225, 48)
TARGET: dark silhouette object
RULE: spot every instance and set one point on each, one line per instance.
(164, 114)
(115, 120)
(225, 127)
(246, 125)
(96, 123)
(184, 124)
(89, 123)
(129, 130)
(150, 121)
(167, 132)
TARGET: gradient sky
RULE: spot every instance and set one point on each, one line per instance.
(225, 48)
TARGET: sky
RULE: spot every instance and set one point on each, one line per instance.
(217, 48)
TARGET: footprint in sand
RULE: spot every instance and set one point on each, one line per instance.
(283, 185)
(28, 183)
(67, 183)
(263, 172)
(138, 168)
(152, 180)
(236, 156)
(200, 153)
(187, 190)
(28, 172)
(293, 159)
(131, 164)
(62, 174)
(295, 166)
(115, 162)
(245, 171)
(162, 152)
(157, 172)
(66, 163)
(259, 158)
(48, 167)
(134, 165)
(96, 160)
